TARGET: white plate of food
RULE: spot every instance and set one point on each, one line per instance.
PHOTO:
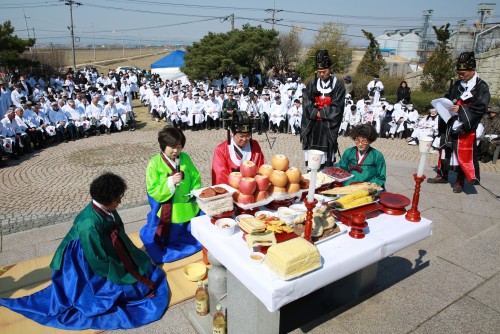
(214, 192)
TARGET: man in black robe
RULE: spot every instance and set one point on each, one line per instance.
(458, 150)
(323, 109)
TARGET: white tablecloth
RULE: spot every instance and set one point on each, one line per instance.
(341, 256)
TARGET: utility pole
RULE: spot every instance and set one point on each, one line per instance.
(227, 18)
(70, 3)
(26, 21)
(273, 20)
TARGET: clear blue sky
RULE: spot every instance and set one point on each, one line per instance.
(183, 22)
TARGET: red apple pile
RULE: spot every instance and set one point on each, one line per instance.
(251, 185)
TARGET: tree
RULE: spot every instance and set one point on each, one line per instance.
(289, 48)
(329, 37)
(372, 62)
(12, 46)
(440, 68)
(236, 52)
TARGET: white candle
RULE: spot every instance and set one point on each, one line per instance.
(421, 165)
(312, 185)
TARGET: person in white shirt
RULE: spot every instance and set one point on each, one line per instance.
(34, 129)
(125, 113)
(295, 117)
(427, 126)
(132, 79)
(187, 106)
(277, 116)
(196, 114)
(5, 101)
(107, 116)
(16, 95)
(64, 129)
(93, 113)
(157, 106)
(375, 88)
(173, 109)
(76, 116)
(212, 112)
(11, 134)
(23, 129)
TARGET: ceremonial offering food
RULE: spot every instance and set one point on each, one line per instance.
(251, 225)
(207, 193)
(292, 258)
(321, 178)
(214, 192)
(238, 218)
(280, 162)
(298, 208)
(225, 226)
(263, 215)
(260, 239)
(248, 168)
(337, 173)
(257, 257)
(195, 271)
(352, 188)
(287, 215)
(355, 199)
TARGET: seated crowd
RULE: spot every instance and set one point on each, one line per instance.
(37, 113)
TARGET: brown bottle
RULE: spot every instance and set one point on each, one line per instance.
(201, 299)
(219, 324)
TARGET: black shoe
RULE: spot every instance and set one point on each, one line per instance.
(438, 179)
(486, 159)
(108, 131)
(459, 187)
(260, 133)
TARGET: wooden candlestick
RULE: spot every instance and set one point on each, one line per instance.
(309, 218)
(413, 214)
(358, 223)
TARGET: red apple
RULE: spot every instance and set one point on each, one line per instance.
(248, 168)
(266, 169)
(294, 175)
(260, 195)
(278, 178)
(262, 181)
(280, 162)
(234, 179)
(292, 188)
(245, 199)
(247, 186)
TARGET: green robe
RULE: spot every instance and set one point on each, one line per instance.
(94, 232)
(373, 166)
(157, 174)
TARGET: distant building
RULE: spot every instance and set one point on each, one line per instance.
(400, 43)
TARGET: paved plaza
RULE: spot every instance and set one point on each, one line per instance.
(448, 283)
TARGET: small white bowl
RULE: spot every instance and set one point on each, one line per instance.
(264, 212)
(225, 226)
(257, 257)
(237, 218)
(287, 215)
(299, 208)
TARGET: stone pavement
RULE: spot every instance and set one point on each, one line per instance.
(448, 283)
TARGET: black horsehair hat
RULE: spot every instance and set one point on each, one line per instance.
(323, 60)
(241, 123)
(466, 61)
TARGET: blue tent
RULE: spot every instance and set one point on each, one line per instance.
(169, 66)
(175, 59)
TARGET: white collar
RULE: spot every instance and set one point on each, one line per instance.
(100, 206)
(247, 153)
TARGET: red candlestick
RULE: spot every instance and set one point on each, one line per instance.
(309, 218)
(413, 214)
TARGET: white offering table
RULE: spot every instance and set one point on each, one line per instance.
(258, 302)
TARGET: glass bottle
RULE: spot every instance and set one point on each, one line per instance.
(201, 299)
(219, 324)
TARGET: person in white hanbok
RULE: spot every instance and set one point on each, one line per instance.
(213, 111)
(277, 116)
(173, 108)
(295, 117)
(64, 129)
(375, 89)
(24, 128)
(93, 113)
(108, 116)
(186, 107)
(124, 111)
(427, 126)
(196, 114)
(157, 106)
(10, 133)
(76, 116)
(133, 85)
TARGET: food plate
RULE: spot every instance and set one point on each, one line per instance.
(343, 230)
(230, 190)
(355, 207)
(321, 179)
(338, 174)
(394, 201)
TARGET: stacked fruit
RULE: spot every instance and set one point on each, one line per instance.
(254, 185)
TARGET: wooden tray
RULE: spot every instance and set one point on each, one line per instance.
(371, 211)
